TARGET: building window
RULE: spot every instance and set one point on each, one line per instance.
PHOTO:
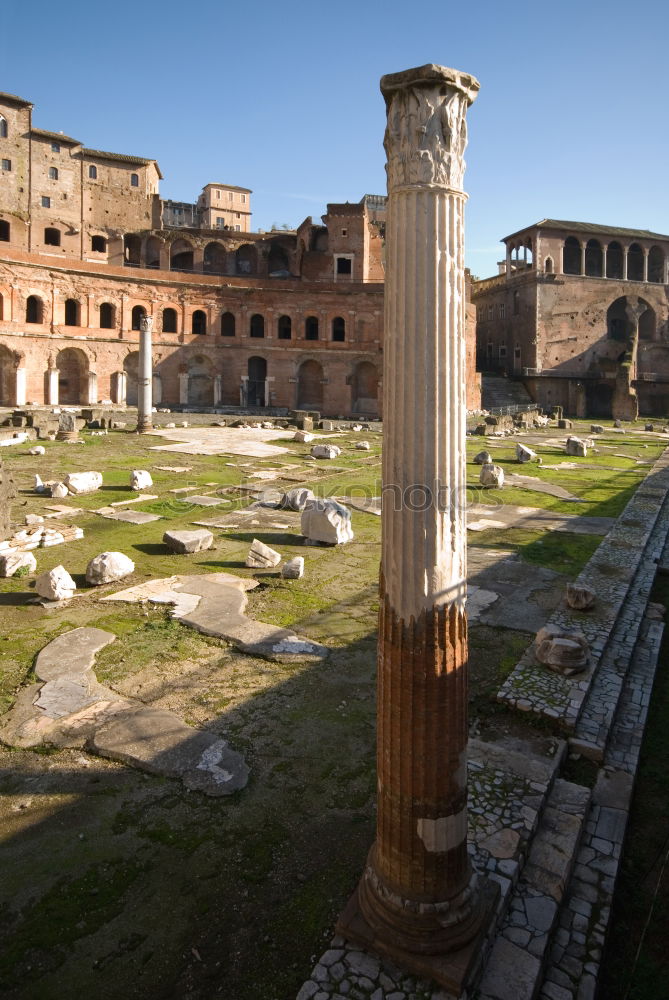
(218, 194)
(46, 201)
(344, 232)
(52, 237)
(344, 265)
(338, 328)
(106, 316)
(227, 325)
(4, 231)
(238, 229)
(516, 303)
(33, 309)
(6, 164)
(284, 328)
(491, 312)
(134, 180)
(55, 147)
(243, 197)
(71, 312)
(229, 195)
(502, 310)
(257, 326)
(199, 322)
(53, 173)
(169, 320)
(311, 328)
(502, 351)
(138, 314)
(98, 244)
(3, 127)
(93, 172)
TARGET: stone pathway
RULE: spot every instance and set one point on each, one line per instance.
(537, 485)
(69, 708)
(250, 441)
(214, 604)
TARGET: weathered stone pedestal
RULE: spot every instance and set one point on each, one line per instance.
(418, 901)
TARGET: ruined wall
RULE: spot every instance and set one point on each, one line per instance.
(6, 494)
(15, 180)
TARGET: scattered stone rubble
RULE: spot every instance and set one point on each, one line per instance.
(325, 451)
(140, 479)
(183, 542)
(108, 567)
(525, 454)
(326, 521)
(566, 652)
(261, 556)
(83, 482)
(492, 476)
(55, 585)
(293, 569)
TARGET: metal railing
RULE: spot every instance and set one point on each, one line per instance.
(508, 411)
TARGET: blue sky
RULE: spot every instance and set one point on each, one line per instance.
(283, 98)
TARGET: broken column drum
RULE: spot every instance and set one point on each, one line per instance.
(418, 894)
(145, 377)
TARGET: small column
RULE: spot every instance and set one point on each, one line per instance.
(119, 387)
(605, 250)
(218, 389)
(582, 260)
(20, 383)
(144, 376)
(645, 264)
(183, 388)
(51, 386)
(92, 389)
(625, 264)
(418, 901)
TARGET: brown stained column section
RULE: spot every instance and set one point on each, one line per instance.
(417, 900)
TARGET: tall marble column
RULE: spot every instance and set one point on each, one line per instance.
(418, 900)
(144, 377)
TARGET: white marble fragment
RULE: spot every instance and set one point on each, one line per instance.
(326, 521)
(108, 567)
(261, 556)
(140, 480)
(56, 584)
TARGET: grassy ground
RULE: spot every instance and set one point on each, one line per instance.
(125, 885)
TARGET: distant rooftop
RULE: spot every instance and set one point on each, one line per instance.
(228, 187)
(67, 140)
(15, 99)
(101, 154)
(589, 227)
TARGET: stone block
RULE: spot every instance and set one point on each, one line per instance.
(580, 598)
(140, 480)
(56, 584)
(297, 498)
(326, 521)
(83, 482)
(492, 476)
(108, 567)
(325, 451)
(183, 542)
(261, 556)
(525, 454)
(576, 447)
(293, 569)
(483, 458)
(12, 562)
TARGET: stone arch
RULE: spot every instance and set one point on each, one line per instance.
(34, 309)
(72, 365)
(7, 376)
(634, 262)
(131, 369)
(214, 258)
(648, 325)
(198, 322)
(169, 320)
(656, 265)
(246, 259)
(152, 251)
(628, 316)
(365, 389)
(5, 231)
(132, 250)
(548, 265)
(614, 260)
(310, 386)
(72, 312)
(339, 328)
(571, 256)
(277, 260)
(228, 324)
(256, 384)
(107, 316)
(311, 328)
(200, 381)
(593, 259)
(137, 315)
(257, 325)
(181, 255)
(284, 328)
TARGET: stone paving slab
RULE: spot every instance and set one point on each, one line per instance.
(129, 516)
(251, 441)
(610, 573)
(536, 519)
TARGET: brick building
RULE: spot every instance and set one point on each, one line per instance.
(284, 319)
(579, 312)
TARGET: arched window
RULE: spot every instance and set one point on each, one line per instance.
(169, 320)
(614, 260)
(181, 256)
(257, 326)
(593, 259)
(571, 256)
(98, 244)
(106, 316)
(199, 322)
(284, 328)
(3, 127)
(33, 309)
(656, 265)
(548, 265)
(132, 249)
(4, 231)
(52, 237)
(338, 328)
(227, 325)
(53, 173)
(134, 180)
(635, 263)
(138, 314)
(71, 312)
(311, 328)
(93, 172)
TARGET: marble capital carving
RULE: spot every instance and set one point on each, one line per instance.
(426, 131)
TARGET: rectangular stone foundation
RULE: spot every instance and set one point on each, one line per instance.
(454, 972)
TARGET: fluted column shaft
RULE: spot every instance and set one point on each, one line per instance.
(418, 891)
(145, 377)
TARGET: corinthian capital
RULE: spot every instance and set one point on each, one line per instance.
(426, 134)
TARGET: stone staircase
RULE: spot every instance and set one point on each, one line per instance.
(498, 391)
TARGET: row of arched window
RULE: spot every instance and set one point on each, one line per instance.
(609, 262)
(198, 320)
(52, 237)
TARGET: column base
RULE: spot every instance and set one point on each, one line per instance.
(454, 971)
